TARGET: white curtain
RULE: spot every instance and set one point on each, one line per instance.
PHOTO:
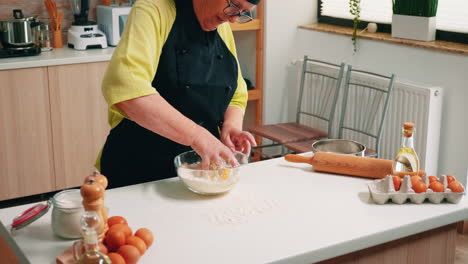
(452, 15)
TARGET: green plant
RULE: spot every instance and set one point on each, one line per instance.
(355, 10)
(424, 8)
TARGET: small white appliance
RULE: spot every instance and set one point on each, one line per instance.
(111, 20)
(84, 34)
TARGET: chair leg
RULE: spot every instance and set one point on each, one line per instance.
(258, 154)
(283, 150)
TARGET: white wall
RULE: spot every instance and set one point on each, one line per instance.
(284, 42)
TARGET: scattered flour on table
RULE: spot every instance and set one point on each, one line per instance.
(239, 208)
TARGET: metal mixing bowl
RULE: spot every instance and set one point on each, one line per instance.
(339, 146)
(207, 182)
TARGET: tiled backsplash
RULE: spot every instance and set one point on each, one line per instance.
(37, 7)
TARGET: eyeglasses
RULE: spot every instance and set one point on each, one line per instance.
(234, 10)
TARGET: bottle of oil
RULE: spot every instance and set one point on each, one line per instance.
(406, 161)
(92, 255)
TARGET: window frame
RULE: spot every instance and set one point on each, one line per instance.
(387, 28)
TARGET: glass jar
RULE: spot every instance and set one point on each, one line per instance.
(43, 37)
(66, 214)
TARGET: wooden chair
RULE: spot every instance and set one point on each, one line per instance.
(365, 104)
(319, 88)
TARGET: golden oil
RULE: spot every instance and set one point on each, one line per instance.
(406, 160)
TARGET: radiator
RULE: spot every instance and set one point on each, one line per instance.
(418, 103)
(421, 104)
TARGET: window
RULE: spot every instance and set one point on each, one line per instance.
(452, 16)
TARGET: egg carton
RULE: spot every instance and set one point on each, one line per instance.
(383, 190)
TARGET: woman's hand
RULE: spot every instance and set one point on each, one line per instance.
(236, 139)
(211, 150)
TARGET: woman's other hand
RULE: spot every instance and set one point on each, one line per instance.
(237, 140)
(211, 150)
(232, 134)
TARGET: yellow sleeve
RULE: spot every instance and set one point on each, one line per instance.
(135, 59)
(240, 95)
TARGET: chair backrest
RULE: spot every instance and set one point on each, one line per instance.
(365, 104)
(319, 88)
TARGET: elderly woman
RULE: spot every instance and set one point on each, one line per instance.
(174, 84)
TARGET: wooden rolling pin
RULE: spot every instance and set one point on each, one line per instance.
(349, 165)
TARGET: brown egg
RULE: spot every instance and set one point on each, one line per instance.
(114, 240)
(456, 187)
(450, 179)
(437, 186)
(138, 243)
(129, 253)
(122, 228)
(396, 182)
(116, 258)
(146, 235)
(419, 187)
(415, 179)
(433, 179)
(116, 220)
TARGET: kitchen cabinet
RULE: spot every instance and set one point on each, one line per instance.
(79, 120)
(53, 123)
(26, 154)
(255, 95)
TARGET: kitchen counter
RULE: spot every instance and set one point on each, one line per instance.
(279, 212)
(61, 56)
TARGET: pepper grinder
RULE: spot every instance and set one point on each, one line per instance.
(93, 193)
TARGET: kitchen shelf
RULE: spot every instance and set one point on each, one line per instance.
(255, 95)
(256, 26)
(252, 25)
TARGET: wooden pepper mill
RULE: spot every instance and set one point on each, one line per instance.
(93, 193)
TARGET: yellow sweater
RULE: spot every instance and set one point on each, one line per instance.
(136, 58)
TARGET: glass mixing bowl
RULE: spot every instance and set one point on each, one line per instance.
(208, 182)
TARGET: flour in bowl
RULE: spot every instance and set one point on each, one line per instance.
(217, 180)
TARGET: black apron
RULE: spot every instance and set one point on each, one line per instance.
(197, 74)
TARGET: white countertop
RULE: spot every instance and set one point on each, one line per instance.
(61, 56)
(279, 212)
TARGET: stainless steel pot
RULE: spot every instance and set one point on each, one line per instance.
(339, 146)
(19, 31)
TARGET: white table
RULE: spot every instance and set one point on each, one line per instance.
(279, 212)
